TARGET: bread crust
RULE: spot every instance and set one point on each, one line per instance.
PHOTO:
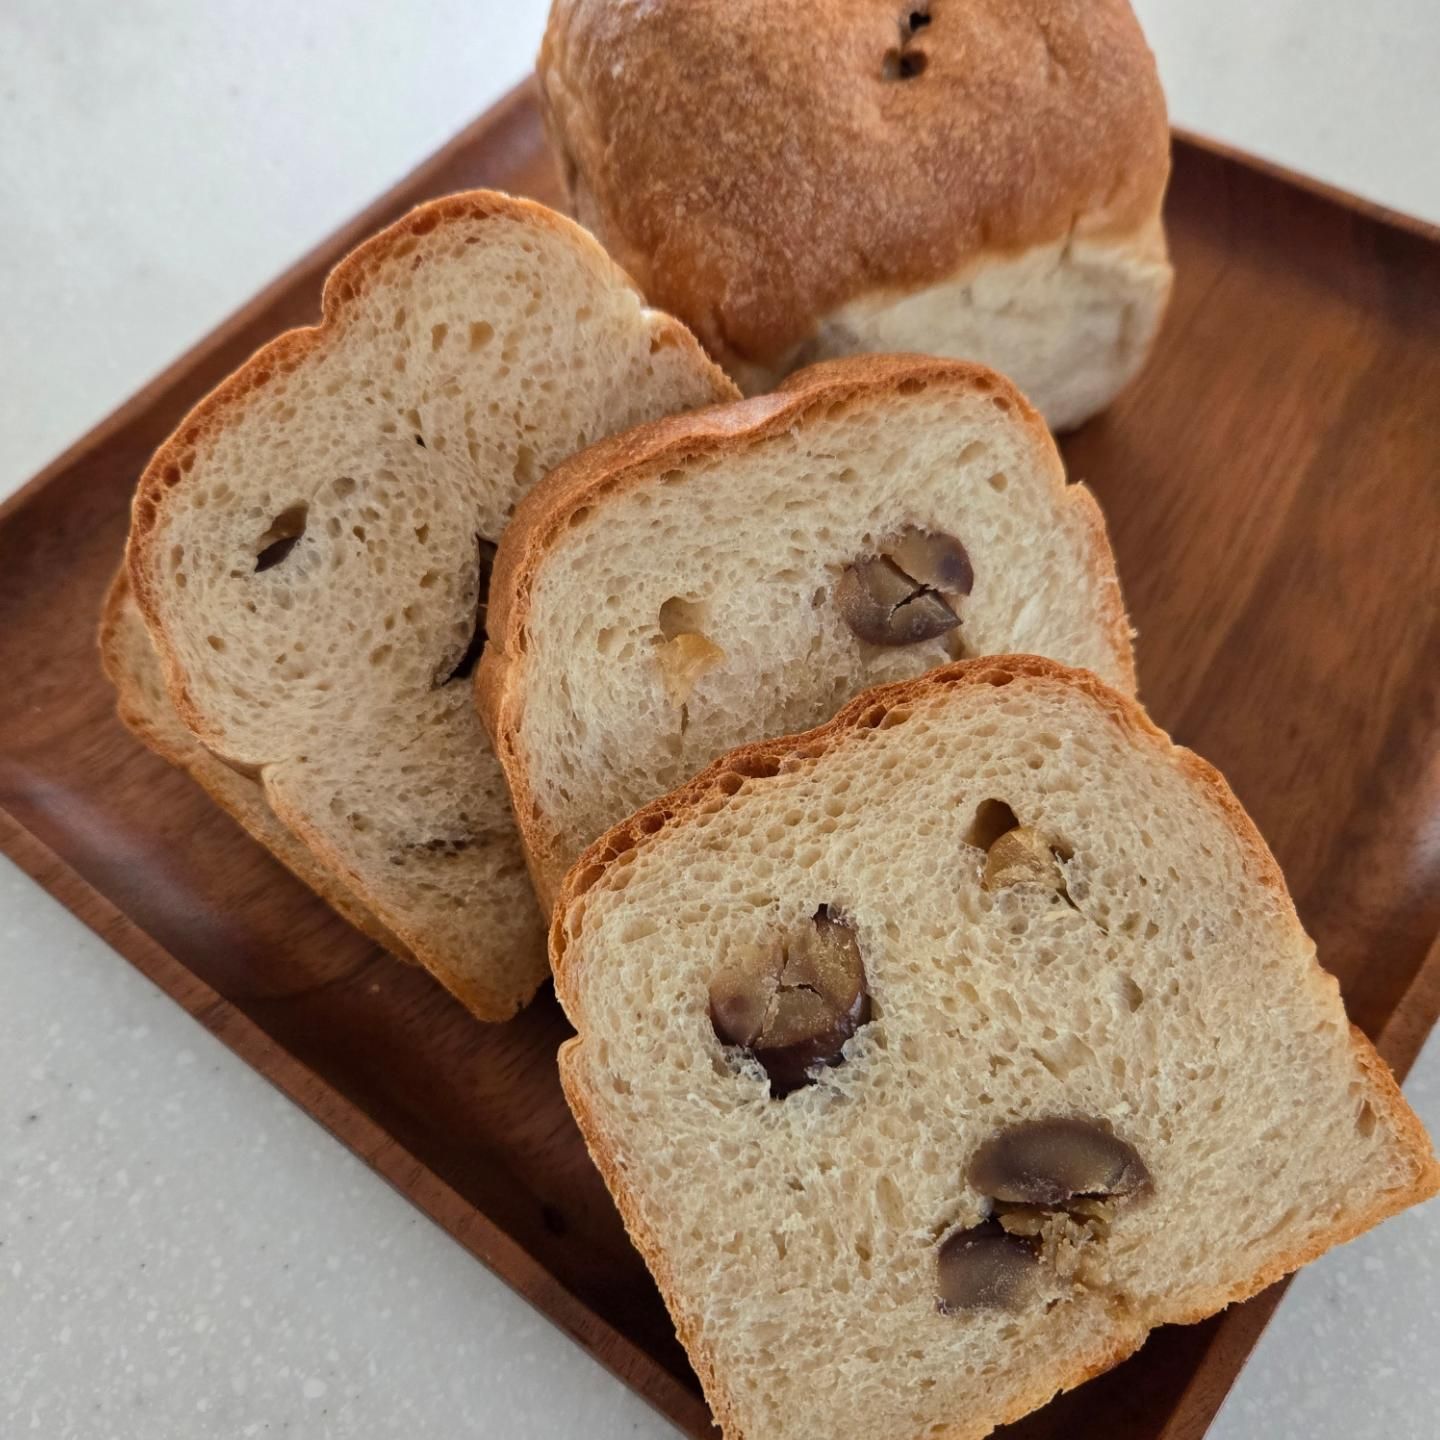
(714, 786)
(360, 272)
(803, 172)
(239, 796)
(634, 459)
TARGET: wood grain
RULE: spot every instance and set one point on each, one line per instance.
(1271, 494)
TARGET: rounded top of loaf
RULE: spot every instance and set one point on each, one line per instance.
(754, 165)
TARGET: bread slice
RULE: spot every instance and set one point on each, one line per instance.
(1147, 977)
(144, 707)
(680, 590)
(310, 553)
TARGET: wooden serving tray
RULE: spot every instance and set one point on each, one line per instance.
(1272, 492)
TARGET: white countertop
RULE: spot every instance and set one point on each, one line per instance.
(182, 1252)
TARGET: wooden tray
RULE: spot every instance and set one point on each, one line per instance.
(1272, 494)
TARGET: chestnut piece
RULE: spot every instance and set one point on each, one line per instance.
(684, 660)
(898, 597)
(1021, 857)
(795, 1004)
(1056, 1161)
(985, 1268)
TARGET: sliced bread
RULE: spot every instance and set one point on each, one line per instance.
(739, 573)
(311, 549)
(145, 709)
(935, 1056)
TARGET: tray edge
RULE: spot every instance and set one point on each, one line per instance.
(1337, 195)
(319, 260)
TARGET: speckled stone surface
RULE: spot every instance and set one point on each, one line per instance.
(183, 1254)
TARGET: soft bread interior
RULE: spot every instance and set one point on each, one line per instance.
(1176, 998)
(744, 544)
(1069, 322)
(310, 552)
(145, 707)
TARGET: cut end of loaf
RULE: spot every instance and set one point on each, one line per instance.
(1137, 967)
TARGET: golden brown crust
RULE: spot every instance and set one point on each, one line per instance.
(638, 457)
(1102, 563)
(606, 1155)
(714, 786)
(240, 797)
(286, 835)
(755, 165)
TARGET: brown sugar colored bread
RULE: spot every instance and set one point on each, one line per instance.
(741, 572)
(146, 710)
(798, 182)
(310, 553)
(937, 1055)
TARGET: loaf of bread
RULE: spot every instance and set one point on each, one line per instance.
(738, 573)
(935, 1056)
(799, 182)
(311, 551)
(146, 710)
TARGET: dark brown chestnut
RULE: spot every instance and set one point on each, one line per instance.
(794, 1004)
(1056, 1161)
(986, 1268)
(898, 597)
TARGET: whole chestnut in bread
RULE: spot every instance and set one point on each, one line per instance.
(800, 182)
(793, 1004)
